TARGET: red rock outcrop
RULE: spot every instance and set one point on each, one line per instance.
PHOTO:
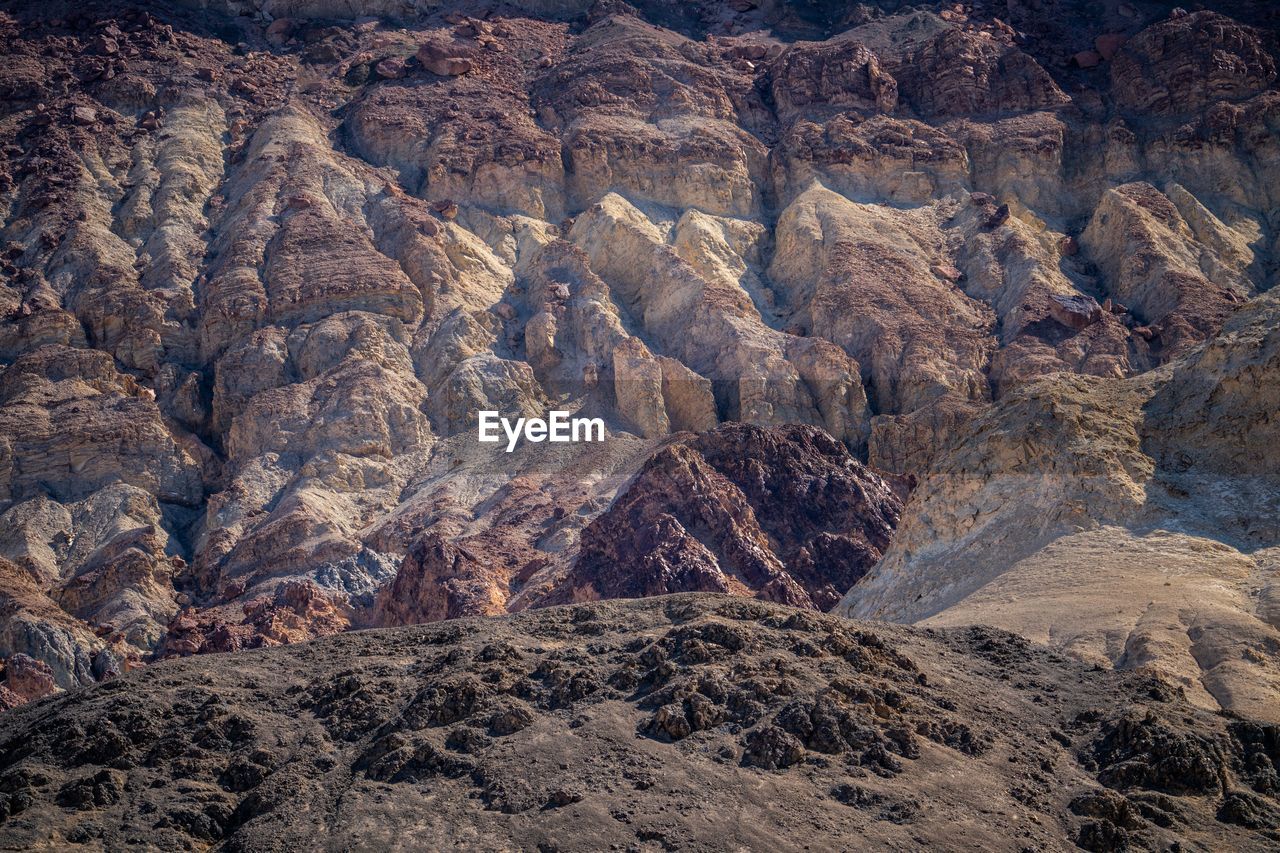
(437, 580)
(827, 516)
(680, 526)
(28, 679)
(294, 612)
(781, 514)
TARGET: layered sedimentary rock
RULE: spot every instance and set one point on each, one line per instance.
(260, 272)
(963, 73)
(651, 114)
(1188, 62)
(72, 424)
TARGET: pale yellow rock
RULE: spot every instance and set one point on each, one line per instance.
(688, 397)
(1174, 604)
(712, 325)
(638, 387)
(859, 276)
(1131, 523)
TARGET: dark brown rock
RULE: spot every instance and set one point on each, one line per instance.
(821, 79)
(279, 31)
(105, 46)
(783, 514)
(1076, 311)
(960, 73)
(650, 540)
(1188, 61)
(1108, 44)
(447, 208)
(591, 724)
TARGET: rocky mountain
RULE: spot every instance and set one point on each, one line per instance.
(683, 722)
(955, 314)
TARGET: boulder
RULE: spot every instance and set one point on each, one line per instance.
(444, 59)
(1076, 311)
(391, 68)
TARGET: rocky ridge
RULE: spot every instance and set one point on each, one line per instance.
(693, 721)
(785, 515)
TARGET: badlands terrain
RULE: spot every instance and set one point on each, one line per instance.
(687, 722)
(947, 315)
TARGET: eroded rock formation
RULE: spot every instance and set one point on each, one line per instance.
(784, 515)
(261, 266)
(1131, 522)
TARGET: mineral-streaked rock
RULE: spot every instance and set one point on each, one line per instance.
(784, 515)
(70, 424)
(249, 311)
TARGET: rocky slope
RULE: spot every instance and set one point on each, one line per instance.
(683, 722)
(783, 514)
(1132, 522)
(262, 263)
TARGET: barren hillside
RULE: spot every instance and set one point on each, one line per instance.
(946, 314)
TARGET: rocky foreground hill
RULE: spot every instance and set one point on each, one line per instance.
(947, 314)
(688, 722)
